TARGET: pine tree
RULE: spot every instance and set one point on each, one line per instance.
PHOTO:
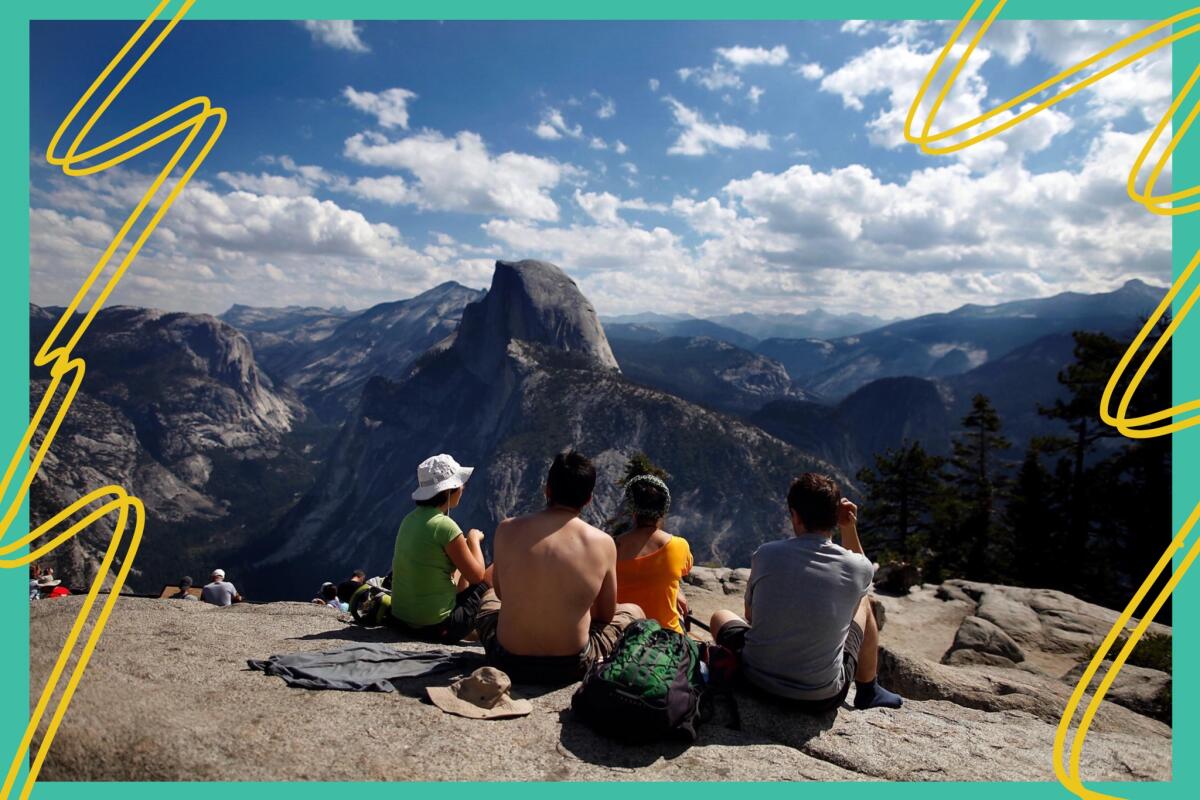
(978, 478)
(902, 489)
(1033, 520)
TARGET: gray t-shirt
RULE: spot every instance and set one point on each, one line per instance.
(219, 593)
(802, 595)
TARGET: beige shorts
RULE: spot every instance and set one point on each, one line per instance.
(602, 638)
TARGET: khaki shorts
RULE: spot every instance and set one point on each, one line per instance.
(547, 670)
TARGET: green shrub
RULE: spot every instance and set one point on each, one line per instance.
(1152, 651)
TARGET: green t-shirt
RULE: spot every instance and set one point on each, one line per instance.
(422, 592)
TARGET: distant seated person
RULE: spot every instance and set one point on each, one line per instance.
(553, 610)
(347, 588)
(185, 590)
(220, 592)
(328, 596)
(49, 586)
(439, 575)
(809, 631)
(650, 561)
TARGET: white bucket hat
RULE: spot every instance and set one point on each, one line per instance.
(439, 473)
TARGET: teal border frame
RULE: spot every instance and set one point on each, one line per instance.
(15, 152)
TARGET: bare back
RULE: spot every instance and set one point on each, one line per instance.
(552, 571)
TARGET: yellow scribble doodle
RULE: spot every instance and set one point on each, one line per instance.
(193, 127)
(999, 119)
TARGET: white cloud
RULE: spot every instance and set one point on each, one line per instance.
(699, 136)
(620, 147)
(897, 70)
(459, 174)
(603, 206)
(811, 71)
(545, 130)
(216, 248)
(713, 78)
(654, 84)
(755, 94)
(340, 34)
(608, 106)
(597, 143)
(389, 107)
(741, 57)
(554, 126)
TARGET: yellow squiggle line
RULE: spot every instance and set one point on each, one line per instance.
(1135, 427)
(68, 369)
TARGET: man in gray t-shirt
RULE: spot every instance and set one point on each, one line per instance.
(220, 592)
(809, 631)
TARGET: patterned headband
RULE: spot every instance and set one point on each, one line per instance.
(646, 511)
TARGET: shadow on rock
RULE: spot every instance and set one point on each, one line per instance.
(582, 742)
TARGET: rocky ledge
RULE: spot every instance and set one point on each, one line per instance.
(985, 669)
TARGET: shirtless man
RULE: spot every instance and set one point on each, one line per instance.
(557, 577)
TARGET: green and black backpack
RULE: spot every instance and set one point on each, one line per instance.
(649, 688)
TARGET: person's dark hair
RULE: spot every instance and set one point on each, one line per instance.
(358, 573)
(571, 480)
(185, 582)
(438, 499)
(815, 498)
(328, 592)
(649, 501)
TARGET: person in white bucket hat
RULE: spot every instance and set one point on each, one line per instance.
(439, 574)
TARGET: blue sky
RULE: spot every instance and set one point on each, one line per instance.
(676, 167)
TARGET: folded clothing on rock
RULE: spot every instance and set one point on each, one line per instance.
(366, 667)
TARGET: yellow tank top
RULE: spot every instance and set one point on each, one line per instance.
(652, 581)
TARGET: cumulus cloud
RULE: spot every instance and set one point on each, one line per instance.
(654, 84)
(741, 57)
(755, 94)
(699, 136)
(713, 78)
(602, 207)
(389, 107)
(459, 174)
(608, 106)
(620, 147)
(340, 34)
(554, 126)
(811, 71)
(897, 69)
(219, 247)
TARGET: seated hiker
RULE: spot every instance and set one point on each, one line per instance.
(809, 629)
(650, 561)
(328, 596)
(184, 593)
(49, 586)
(557, 577)
(439, 575)
(219, 592)
(347, 588)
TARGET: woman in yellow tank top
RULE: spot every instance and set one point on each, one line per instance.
(650, 561)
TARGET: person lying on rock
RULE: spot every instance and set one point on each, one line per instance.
(557, 577)
(809, 630)
(438, 574)
(650, 561)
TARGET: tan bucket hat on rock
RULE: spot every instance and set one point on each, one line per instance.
(484, 694)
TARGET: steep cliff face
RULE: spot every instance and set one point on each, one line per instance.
(175, 409)
(528, 374)
(533, 302)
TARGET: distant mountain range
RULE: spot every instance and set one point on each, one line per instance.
(746, 328)
(281, 442)
(940, 345)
